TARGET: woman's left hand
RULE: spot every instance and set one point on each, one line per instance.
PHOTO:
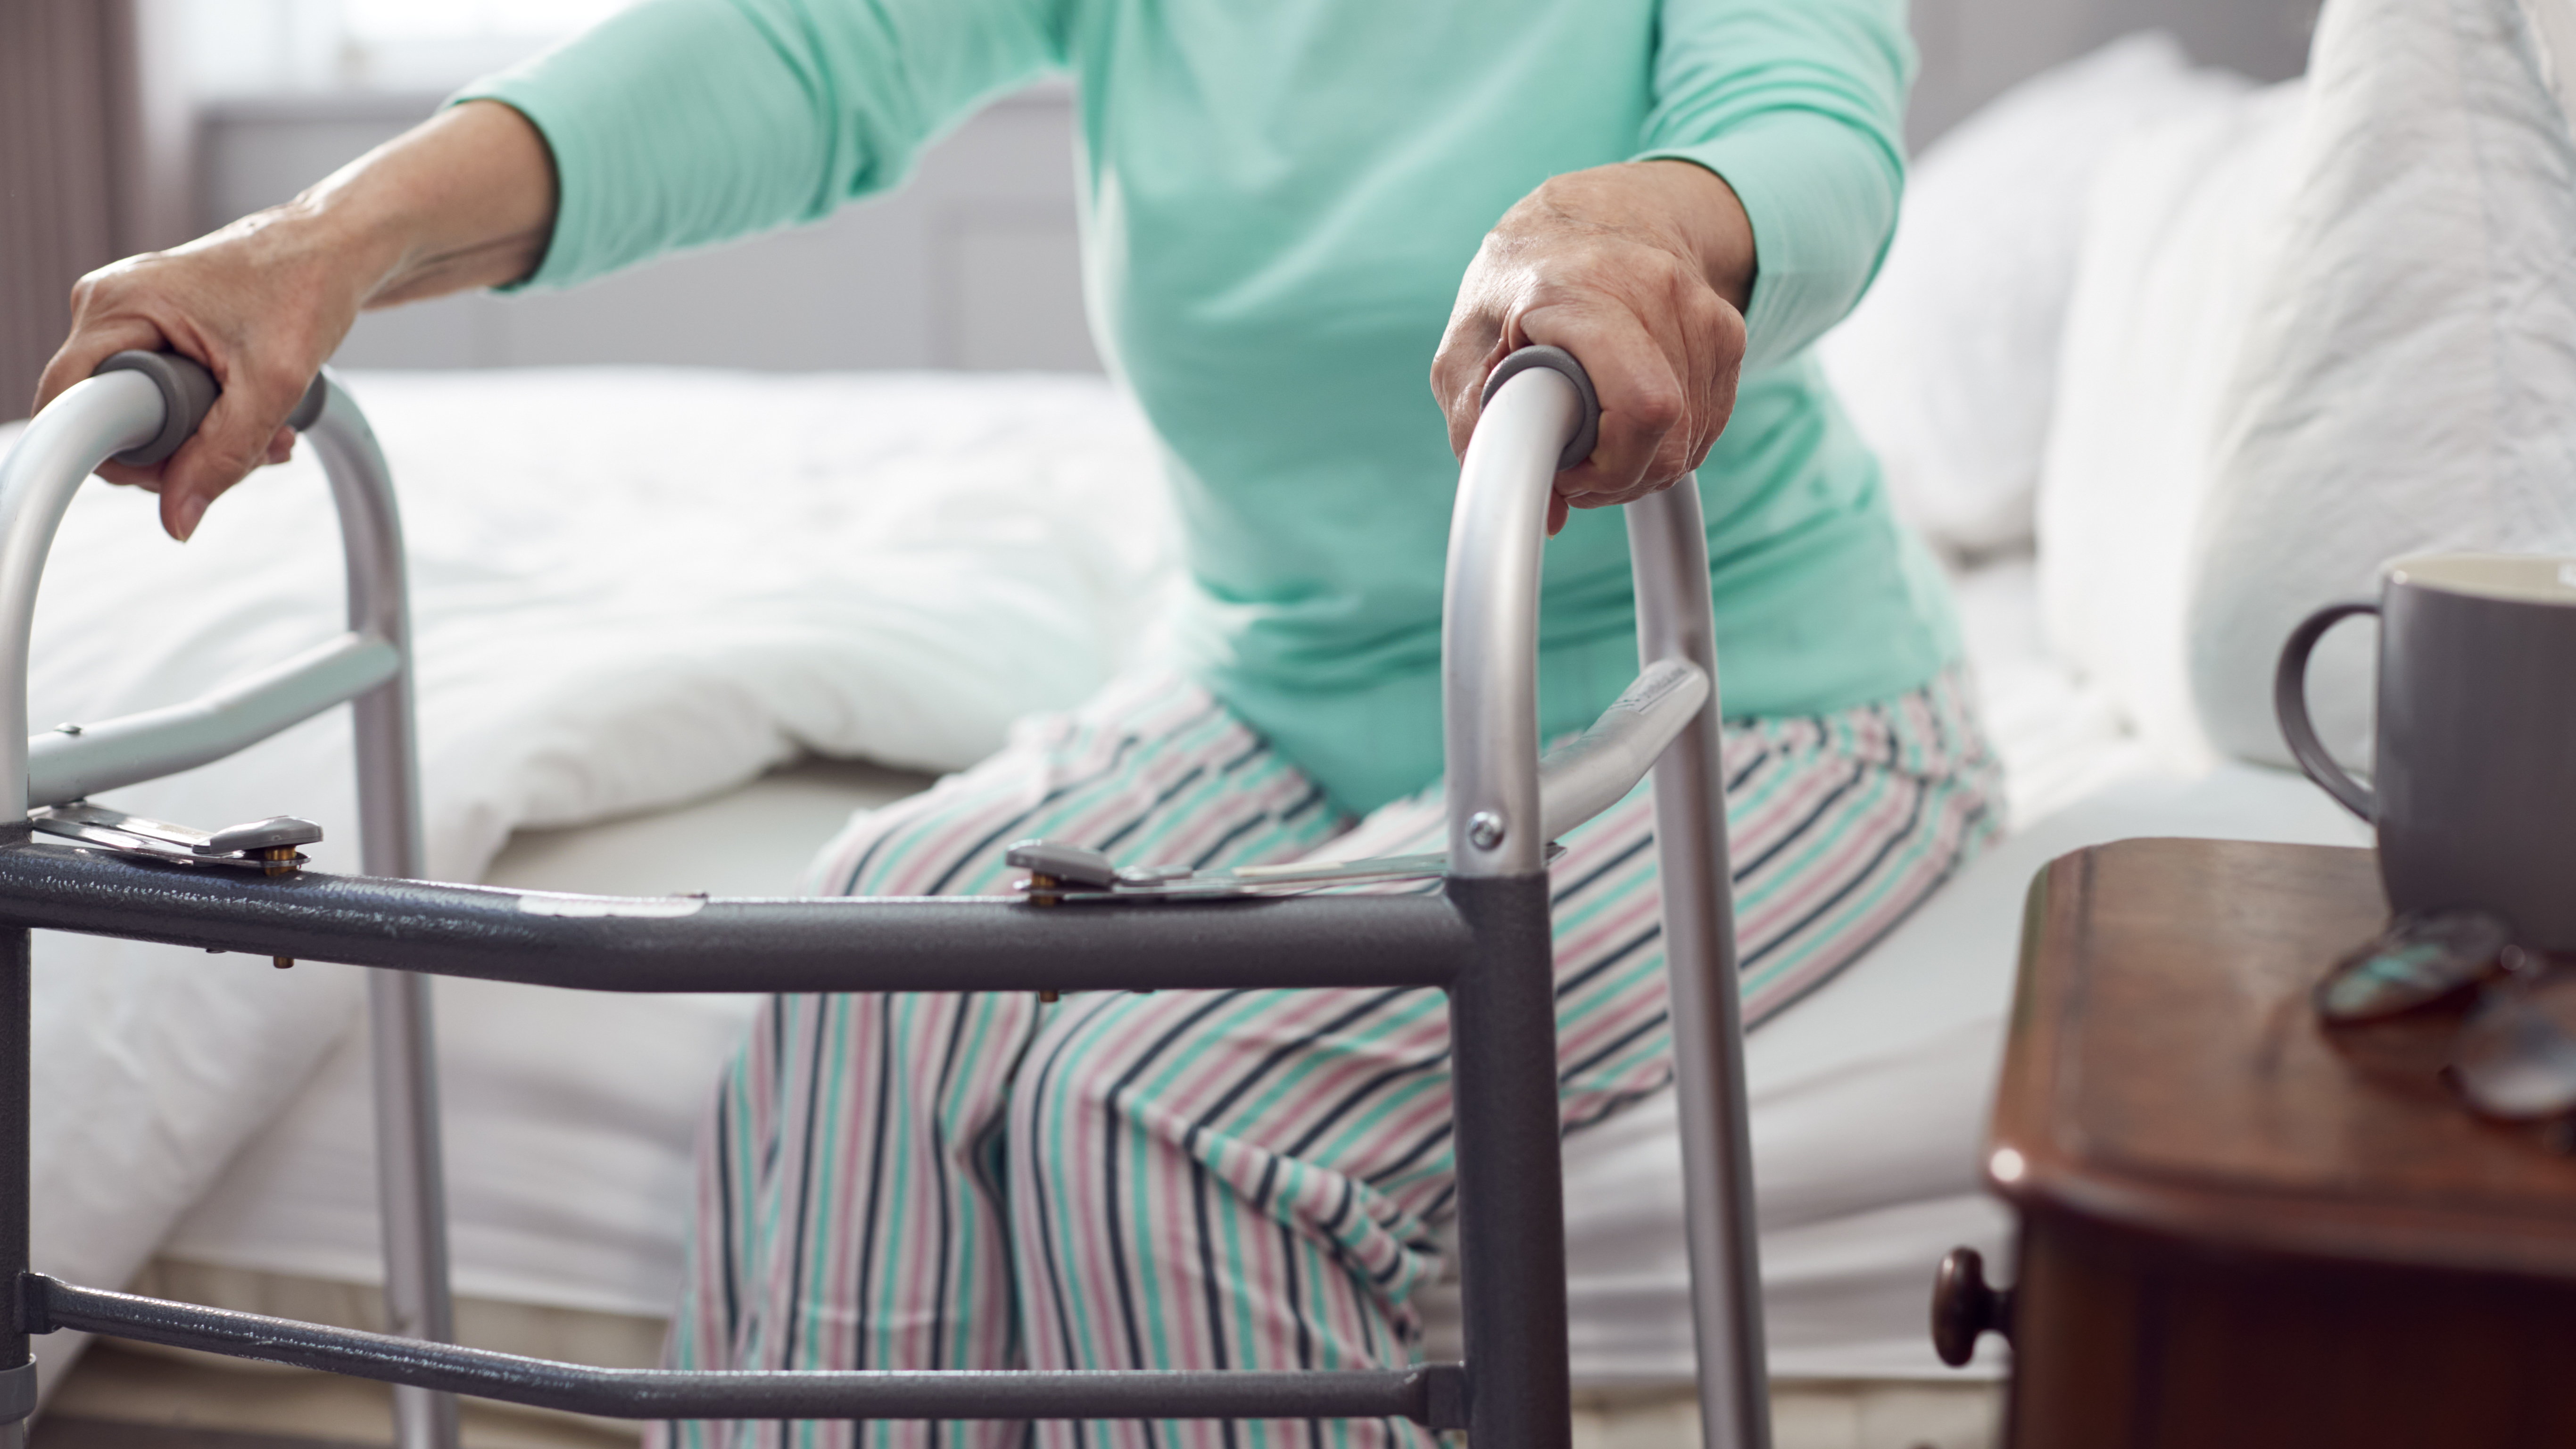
(1642, 271)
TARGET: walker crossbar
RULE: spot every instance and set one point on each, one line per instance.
(1433, 1395)
(1485, 940)
(72, 761)
(693, 944)
(138, 408)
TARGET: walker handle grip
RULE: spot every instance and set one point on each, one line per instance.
(1555, 359)
(188, 391)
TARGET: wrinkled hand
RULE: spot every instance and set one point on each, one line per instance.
(464, 199)
(261, 303)
(1641, 270)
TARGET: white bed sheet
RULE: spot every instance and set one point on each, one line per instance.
(570, 1117)
(716, 572)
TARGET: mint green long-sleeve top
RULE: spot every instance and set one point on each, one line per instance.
(1279, 199)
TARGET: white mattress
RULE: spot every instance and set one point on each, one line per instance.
(569, 1117)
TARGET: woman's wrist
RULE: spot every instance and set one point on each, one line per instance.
(464, 200)
(1705, 216)
(1682, 206)
(1642, 270)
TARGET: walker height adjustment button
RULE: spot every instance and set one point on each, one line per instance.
(269, 834)
(1052, 866)
(267, 846)
(1051, 863)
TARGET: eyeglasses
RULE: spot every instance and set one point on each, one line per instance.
(2421, 958)
(2514, 1056)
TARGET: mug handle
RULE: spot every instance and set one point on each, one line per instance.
(2290, 703)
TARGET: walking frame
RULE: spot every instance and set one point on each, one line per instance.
(1484, 939)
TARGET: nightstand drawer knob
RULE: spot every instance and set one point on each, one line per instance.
(1964, 1305)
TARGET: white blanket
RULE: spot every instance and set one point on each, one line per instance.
(890, 566)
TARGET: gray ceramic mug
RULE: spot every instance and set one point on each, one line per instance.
(2473, 779)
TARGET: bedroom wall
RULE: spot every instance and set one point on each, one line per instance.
(973, 265)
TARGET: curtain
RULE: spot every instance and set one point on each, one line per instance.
(92, 164)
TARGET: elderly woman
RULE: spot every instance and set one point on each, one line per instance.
(1289, 209)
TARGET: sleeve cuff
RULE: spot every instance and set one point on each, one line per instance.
(1822, 200)
(647, 149)
(569, 107)
(545, 276)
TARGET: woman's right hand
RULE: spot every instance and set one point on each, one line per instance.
(261, 303)
(466, 199)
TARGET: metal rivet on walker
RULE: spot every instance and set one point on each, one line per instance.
(1485, 829)
(1041, 888)
(282, 860)
(67, 729)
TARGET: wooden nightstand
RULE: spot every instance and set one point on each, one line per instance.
(2238, 1228)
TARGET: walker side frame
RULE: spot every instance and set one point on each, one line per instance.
(1484, 940)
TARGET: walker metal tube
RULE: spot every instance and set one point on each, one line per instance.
(1428, 1394)
(1596, 769)
(118, 410)
(1502, 1008)
(691, 943)
(411, 1181)
(1489, 625)
(17, 1364)
(1487, 942)
(1489, 648)
(1668, 548)
(72, 762)
(93, 419)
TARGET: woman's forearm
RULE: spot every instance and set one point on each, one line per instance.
(466, 199)
(463, 200)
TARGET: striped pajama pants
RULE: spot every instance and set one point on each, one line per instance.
(1234, 1179)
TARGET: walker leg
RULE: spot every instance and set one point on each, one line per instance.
(1511, 1184)
(411, 1192)
(18, 1379)
(1670, 550)
(411, 1188)
(411, 1183)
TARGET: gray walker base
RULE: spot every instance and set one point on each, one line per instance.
(1484, 940)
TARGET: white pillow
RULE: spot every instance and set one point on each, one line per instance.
(2182, 224)
(1949, 364)
(2409, 382)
